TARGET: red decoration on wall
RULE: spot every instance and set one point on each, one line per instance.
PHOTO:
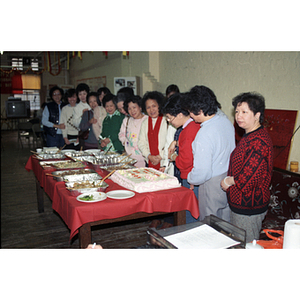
(17, 84)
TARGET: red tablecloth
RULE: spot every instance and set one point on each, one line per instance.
(76, 213)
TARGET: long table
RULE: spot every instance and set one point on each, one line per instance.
(80, 217)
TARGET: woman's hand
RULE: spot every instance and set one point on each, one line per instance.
(59, 126)
(154, 159)
(67, 142)
(162, 169)
(227, 182)
(93, 121)
(104, 142)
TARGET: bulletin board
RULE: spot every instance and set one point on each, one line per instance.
(94, 83)
(281, 126)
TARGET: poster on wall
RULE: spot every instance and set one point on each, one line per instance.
(281, 126)
(94, 83)
(121, 82)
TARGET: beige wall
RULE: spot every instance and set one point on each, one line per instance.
(276, 75)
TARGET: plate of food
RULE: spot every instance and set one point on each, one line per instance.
(120, 194)
(91, 197)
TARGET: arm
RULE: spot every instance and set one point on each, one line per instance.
(63, 119)
(143, 144)
(84, 123)
(202, 163)
(122, 133)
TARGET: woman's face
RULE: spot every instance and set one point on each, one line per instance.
(93, 102)
(152, 108)
(245, 117)
(101, 96)
(135, 110)
(56, 96)
(82, 96)
(121, 109)
(72, 100)
(110, 107)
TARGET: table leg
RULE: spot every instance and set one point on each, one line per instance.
(179, 218)
(40, 196)
(84, 235)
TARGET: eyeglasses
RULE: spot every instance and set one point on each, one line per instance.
(171, 120)
(56, 94)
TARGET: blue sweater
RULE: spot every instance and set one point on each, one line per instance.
(212, 147)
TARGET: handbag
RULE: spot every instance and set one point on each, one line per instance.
(275, 242)
(84, 134)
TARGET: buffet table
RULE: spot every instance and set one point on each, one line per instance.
(80, 217)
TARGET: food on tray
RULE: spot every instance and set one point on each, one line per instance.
(87, 184)
(72, 172)
(87, 198)
(68, 164)
(144, 180)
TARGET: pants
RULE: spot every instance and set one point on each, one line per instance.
(250, 223)
(189, 217)
(55, 141)
(213, 200)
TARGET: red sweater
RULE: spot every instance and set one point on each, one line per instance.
(251, 165)
(184, 160)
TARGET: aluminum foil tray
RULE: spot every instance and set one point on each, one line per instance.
(92, 186)
(82, 177)
(59, 175)
(63, 164)
(117, 167)
(46, 156)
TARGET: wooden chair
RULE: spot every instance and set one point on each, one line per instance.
(38, 134)
(25, 132)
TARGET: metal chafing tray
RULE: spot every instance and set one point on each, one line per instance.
(59, 175)
(117, 167)
(47, 156)
(82, 177)
(94, 187)
(63, 164)
(158, 237)
(111, 160)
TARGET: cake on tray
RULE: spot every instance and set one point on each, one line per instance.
(144, 180)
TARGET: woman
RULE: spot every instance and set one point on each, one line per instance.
(51, 118)
(180, 118)
(153, 131)
(71, 131)
(92, 121)
(130, 129)
(250, 167)
(111, 126)
(82, 91)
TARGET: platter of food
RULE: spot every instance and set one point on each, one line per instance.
(59, 175)
(91, 197)
(63, 164)
(87, 186)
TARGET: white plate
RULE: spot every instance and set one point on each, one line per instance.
(98, 196)
(120, 194)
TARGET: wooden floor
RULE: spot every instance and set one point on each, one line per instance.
(22, 227)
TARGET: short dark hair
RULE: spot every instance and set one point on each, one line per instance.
(104, 89)
(122, 97)
(154, 95)
(127, 90)
(69, 93)
(95, 95)
(201, 98)
(82, 87)
(172, 88)
(133, 99)
(255, 101)
(173, 105)
(54, 89)
(107, 98)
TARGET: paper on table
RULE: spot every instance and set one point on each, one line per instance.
(202, 237)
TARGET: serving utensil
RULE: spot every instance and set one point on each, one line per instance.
(61, 148)
(107, 176)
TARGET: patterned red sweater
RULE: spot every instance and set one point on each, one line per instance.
(251, 165)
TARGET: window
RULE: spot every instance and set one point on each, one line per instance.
(17, 63)
(30, 95)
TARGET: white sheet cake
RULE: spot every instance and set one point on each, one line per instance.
(144, 180)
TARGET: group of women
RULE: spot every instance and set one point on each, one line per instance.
(184, 134)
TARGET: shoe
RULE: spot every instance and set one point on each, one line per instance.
(155, 224)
